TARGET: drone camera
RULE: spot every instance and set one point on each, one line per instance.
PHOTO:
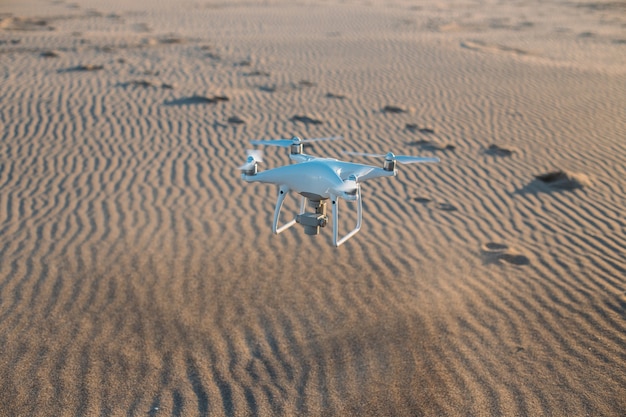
(313, 221)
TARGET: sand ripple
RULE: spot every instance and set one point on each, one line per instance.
(139, 275)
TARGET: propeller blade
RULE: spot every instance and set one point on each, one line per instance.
(407, 159)
(348, 186)
(371, 155)
(256, 154)
(285, 143)
(247, 166)
(403, 159)
(322, 139)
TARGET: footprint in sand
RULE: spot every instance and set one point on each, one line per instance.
(145, 84)
(49, 54)
(412, 127)
(141, 28)
(493, 48)
(336, 96)
(306, 120)
(171, 40)
(213, 56)
(16, 23)
(556, 181)
(393, 109)
(235, 120)
(83, 68)
(187, 101)
(445, 207)
(422, 200)
(267, 88)
(138, 83)
(500, 253)
(257, 73)
(495, 247)
(495, 150)
(437, 206)
(301, 85)
(426, 145)
(562, 180)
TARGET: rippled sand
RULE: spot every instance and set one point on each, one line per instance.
(139, 275)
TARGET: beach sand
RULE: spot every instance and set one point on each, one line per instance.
(139, 274)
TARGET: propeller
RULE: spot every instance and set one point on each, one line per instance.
(403, 159)
(350, 185)
(285, 143)
(253, 156)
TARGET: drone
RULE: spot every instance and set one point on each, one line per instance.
(319, 181)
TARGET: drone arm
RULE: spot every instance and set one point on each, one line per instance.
(282, 193)
(376, 173)
(300, 157)
(359, 210)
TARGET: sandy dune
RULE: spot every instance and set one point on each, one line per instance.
(139, 275)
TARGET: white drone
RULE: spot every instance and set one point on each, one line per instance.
(318, 180)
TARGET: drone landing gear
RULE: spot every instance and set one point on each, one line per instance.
(359, 218)
(282, 193)
(312, 221)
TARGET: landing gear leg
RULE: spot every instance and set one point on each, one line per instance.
(359, 213)
(282, 193)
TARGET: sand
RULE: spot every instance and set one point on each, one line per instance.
(139, 275)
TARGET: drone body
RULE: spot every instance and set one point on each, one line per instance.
(318, 181)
